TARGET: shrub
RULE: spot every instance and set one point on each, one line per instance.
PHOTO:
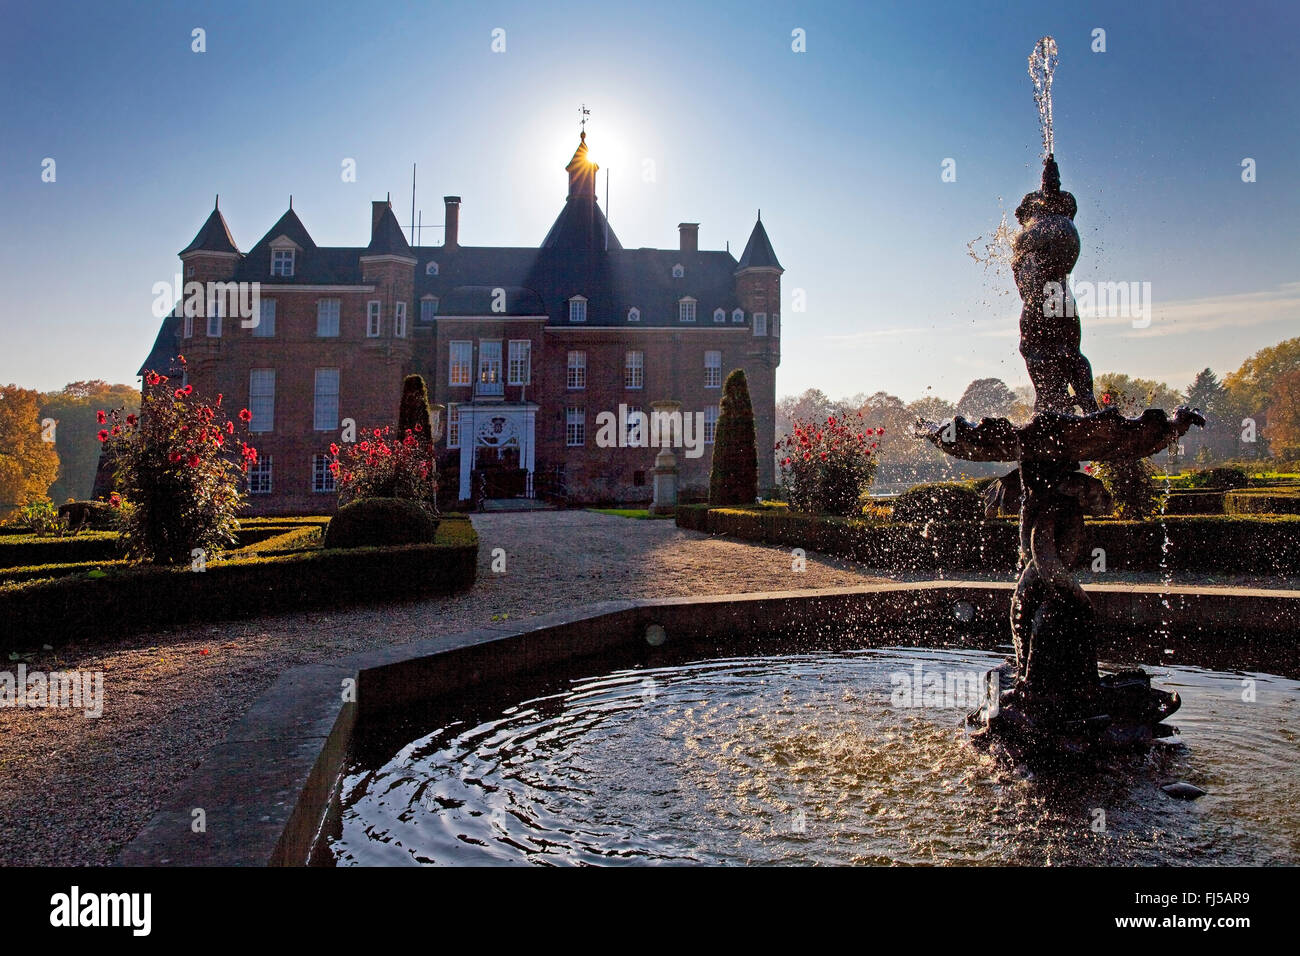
(380, 522)
(1193, 503)
(43, 518)
(177, 466)
(1130, 486)
(828, 467)
(413, 411)
(19, 551)
(938, 501)
(1218, 478)
(377, 467)
(734, 477)
(92, 515)
(1276, 502)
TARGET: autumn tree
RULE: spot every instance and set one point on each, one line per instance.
(1283, 429)
(28, 461)
(73, 410)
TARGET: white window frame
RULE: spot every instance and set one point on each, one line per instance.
(575, 370)
(578, 308)
(634, 314)
(710, 424)
(464, 362)
(575, 426)
(374, 318)
(322, 479)
(686, 309)
(265, 420)
(712, 372)
(634, 369)
(399, 320)
(259, 473)
(737, 316)
(719, 315)
(489, 373)
(283, 262)
(328, 309)
(679, 271)
(519, 362)
(187, 326)
(324, 402)
(265, 328)
(215, 315)
(431, 268)
(760, 324)
(453, 425)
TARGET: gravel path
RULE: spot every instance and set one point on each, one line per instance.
(74, 790)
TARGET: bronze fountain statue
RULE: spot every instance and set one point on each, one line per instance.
(1054, 698)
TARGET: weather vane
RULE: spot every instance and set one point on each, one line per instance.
(585, 113)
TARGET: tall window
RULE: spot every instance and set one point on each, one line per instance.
(710, 424)
(776, 323)
(577, 309)
(575, 426)
(719, 315)
(374, 311)
(520, 370)
(737, 316)
(327, 317)
(259, 476)
(489, 367)
(462, 356)
(399, 320)
(265, 327)
(322, 479)
(261, 399)
(760, 323)
(637, 423)
(188, 326)
(576, 374)
(282, 262)
(713, 369)
(428, 308)
(216, 311)
(326, 417)
(453, 426)
(686, 310)
(634, 370)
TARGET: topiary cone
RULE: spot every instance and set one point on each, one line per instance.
(734, 479)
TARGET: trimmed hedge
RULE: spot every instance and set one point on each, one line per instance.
(295, 539)
(1228, 544)
(146, 598)
(380, 522)
(1225, 478)
(21, 551)
(1194, 503)
(1277, 502)
(939, 501)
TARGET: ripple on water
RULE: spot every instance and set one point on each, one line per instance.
(804, 758)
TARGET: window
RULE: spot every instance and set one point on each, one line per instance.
(634, 314)
(216, 311)
(322, 478)
(636, 427)
(453, 426)
(577, 309)
(575, 426)
(261, 399)
(576, 375)
(265, 327)
(776, 323)
(719, 315)
(428, 308)
(282, 262)
(634, 370)
(399, 320)
(327, 317)
(710, 424)
(189, 326)
(326, 417)
(760, 323)
(259, 476)
(686, 310)
(713, 369)
(431, 269)
(520, 370)
(374, 311)
(678, 271)
(462, 355)
(738, 316)
(489, 367)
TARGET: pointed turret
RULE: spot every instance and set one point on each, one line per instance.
(214, 236)
(582, 172)
(758, 252)
(386, 236)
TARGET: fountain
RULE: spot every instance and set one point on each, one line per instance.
(1056, 699)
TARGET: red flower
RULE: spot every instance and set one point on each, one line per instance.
(245, 415)
(101, 417)
(103, 434)
(377, 433)
(419, 428)
(131, 420)
(180, 393)
(219, 397)
(334, 449)
(181, 359)
(230, 428)
(187, 389)
(152, 378)
(194, 461)
(117, 429)
(205, 651)
(115, 500)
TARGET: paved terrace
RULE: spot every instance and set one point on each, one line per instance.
(74, 790)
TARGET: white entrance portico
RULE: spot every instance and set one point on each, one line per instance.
(496, 426)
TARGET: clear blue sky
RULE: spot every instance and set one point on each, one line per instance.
(840, 146)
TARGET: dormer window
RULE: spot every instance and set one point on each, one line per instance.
(719, 315)
(282, 262)
(738, 316)
(686, 310)
(578, 309)
(634, 314)
(678, 271)
(431, 269)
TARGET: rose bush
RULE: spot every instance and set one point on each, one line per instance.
(381, 467)
(827, 467)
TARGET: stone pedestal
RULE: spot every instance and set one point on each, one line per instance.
(665, 471)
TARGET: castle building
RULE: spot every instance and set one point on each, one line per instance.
(525, 347)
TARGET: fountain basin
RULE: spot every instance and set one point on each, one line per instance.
(267, 789)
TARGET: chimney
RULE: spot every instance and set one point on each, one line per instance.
(376, 210)
(690, 236)
(451, 234)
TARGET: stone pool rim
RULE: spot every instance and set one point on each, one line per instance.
(264, 791)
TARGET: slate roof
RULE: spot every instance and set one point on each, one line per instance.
(166, 346)
(387, 237)
(214, 236)
(758, 251)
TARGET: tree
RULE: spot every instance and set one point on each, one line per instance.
(413, 412)
(734, 479)
(987, 398)
(1284, 414)
(1133, 396)
(1252, 384)
(73, 410)
(28, 462)
(1205, 392)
